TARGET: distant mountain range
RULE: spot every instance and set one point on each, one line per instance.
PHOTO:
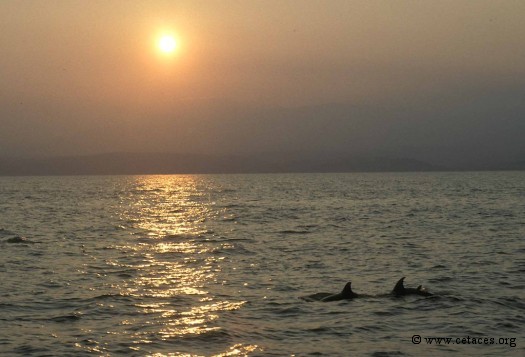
(454, 132)
(168, 163)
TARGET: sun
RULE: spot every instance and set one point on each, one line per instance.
(167, 44)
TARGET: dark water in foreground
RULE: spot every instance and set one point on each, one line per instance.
(215, 265)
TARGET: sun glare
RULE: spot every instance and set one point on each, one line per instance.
(167, 44)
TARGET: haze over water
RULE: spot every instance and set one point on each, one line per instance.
(216, 264)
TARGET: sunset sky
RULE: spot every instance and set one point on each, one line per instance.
(82, 77)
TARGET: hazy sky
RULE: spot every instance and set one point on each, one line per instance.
(87, 76)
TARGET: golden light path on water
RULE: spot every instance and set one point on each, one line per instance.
(167, 217)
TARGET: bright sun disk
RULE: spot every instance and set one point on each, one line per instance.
(167, 44)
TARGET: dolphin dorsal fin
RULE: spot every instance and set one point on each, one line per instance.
(420, 287)
(400, 287)
(347, 290)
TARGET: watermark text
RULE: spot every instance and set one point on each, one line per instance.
(467, 340)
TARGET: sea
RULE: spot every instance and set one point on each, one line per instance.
(218, 265)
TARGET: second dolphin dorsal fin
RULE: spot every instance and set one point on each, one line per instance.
(400, 287)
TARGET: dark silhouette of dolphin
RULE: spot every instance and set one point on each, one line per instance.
(400, 290)
(345, 294)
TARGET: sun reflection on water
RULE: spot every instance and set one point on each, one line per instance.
(175, 257)
(167, 205)
(235, 350)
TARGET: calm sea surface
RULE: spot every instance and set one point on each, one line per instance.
(216, 265)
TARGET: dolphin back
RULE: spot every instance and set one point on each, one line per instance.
(399, 289)
(345, 294)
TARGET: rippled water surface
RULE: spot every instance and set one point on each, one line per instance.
(216, 265)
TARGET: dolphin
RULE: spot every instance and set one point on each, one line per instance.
(400, 290)
(345, 294)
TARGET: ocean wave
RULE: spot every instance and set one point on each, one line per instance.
(66, 318)
(294, 231)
